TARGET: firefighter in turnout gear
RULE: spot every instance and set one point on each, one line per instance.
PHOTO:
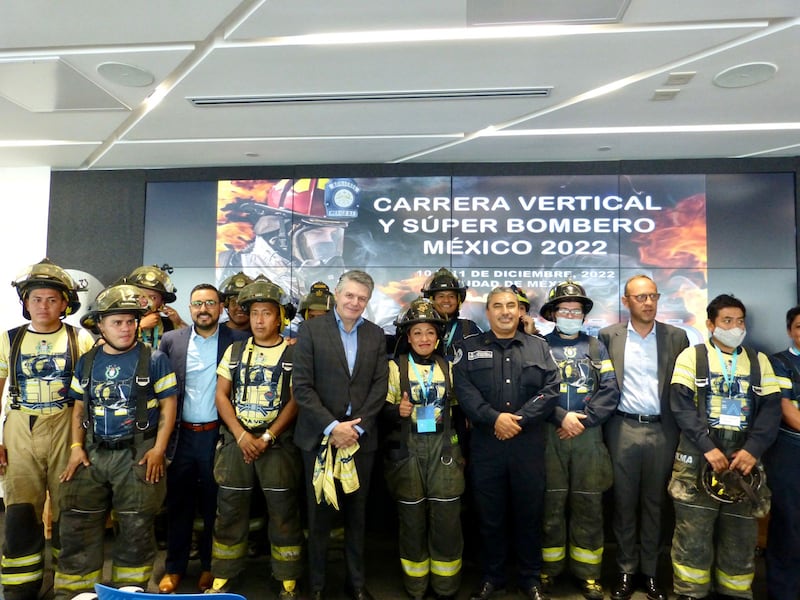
(255, 403)
(726, 401)
(229, 289)
(447, 294)
(577, 461)
(156, 290)
(424, 469)
(37, 360)
(317, 302)
(125, 397)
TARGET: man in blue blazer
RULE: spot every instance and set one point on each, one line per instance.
(642, 435)
(194, 353)
(340, 381)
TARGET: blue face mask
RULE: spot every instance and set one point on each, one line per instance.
(569, 326)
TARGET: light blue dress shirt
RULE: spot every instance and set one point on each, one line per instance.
(201, 379)
(640, 377)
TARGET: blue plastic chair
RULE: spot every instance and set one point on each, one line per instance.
(105, 592)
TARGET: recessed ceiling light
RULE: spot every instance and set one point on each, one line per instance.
(745, 75)
(124, 74)
(604, 148)
(252, 154)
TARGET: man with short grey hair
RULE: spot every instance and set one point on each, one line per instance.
(340, 378)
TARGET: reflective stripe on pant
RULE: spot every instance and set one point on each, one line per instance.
(428, 493)
(277, 472)
(578, 472)
(709, 535)
(37, 455)
(114, 480)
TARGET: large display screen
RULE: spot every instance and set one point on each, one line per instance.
(696, 235)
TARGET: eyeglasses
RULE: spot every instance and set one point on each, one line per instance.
(207, 303)
(641, 298)
(569, 312)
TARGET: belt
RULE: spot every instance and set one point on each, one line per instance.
(119, 445)
(123, 444)
(727, 435)
(640, 418)
(200, 426)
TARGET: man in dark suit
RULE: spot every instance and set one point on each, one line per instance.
(340, 383)
(642, 434)
(194, 353)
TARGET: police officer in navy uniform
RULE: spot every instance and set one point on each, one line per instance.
(507, 384)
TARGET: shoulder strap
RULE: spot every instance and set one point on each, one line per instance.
(594, 349)
(15, 337)
(701, 379)
(285, 363)
(596, 363)
(447, 444)
(86, 384)
(237, 350)
(143, 387)
(755, 380)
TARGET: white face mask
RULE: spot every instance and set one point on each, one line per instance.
(568, 326)
(732, 338)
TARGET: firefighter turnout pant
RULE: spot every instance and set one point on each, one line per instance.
(37, 448)
(578, 472)
(428, 489)
(709, 534)
(278, 473)
(114, 480)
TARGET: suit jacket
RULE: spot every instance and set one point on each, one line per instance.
(670, 341)
(175, 344)
(323, 387)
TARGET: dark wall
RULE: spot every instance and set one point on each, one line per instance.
(97, 221)
(97, 217)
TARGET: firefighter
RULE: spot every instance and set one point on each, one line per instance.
(125, 397)
(447, 294)
(317, 302)
(577, 461)
(424, 468)
(157, 291)
(726, 401)
(258, 411)
(229, 292)
(37, 359)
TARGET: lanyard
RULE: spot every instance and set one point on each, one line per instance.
(451, 334)
(426, 386)
(727, 376)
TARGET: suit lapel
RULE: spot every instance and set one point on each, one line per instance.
(335, 341)
(617, 352)
(662, 349)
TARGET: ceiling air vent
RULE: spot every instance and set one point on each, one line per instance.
(391, 96)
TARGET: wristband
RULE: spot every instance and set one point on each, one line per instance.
(240, 437)
(75, 445)
(268, 437)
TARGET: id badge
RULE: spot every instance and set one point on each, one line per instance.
(426, 421)
(731, 413)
